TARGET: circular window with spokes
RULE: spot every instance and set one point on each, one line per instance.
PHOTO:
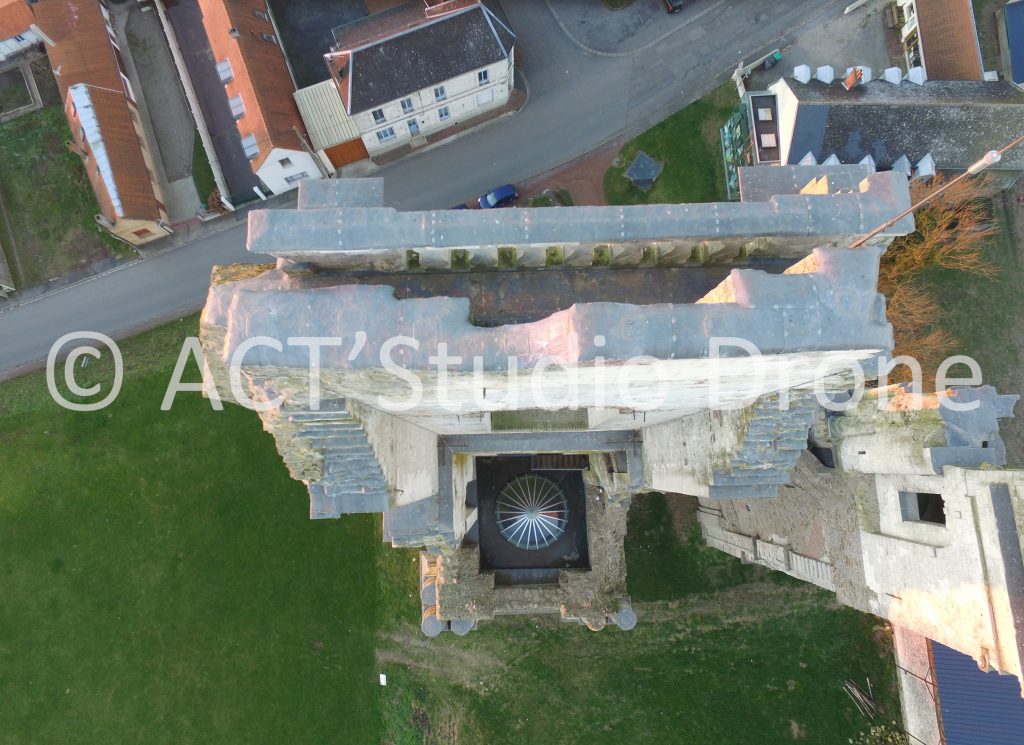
(532, 512)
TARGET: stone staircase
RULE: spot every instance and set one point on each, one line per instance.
(352, 479)
(772, 443)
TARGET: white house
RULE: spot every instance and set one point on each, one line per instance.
(424, 74)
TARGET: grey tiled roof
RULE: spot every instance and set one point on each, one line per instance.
(956, 121)
(428, 55)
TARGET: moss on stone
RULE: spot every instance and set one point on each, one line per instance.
(602, 255)
(507, 257)
(554, 256)
(412, 259)
(460, 259)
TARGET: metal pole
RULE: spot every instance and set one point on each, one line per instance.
(990, 158)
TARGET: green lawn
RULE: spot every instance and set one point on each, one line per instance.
(974, 309)
(13, 92)
(162, 583)
(688, 145)
(50, 204)
(723, 653)
(202, 173)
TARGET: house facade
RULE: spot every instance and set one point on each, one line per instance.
(423, 74)
(15, 33)
(437, 107)
(106, 127)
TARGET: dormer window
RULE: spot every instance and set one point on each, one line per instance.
(224, 71)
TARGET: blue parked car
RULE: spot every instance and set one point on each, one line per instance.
(500, 197)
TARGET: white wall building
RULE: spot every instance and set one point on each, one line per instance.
(425, 76)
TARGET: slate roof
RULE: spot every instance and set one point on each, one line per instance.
(426, 55)
(1013, 15)
(976, 706)
(955, 121)
(949, 39)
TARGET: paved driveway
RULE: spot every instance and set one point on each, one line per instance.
(579, 100)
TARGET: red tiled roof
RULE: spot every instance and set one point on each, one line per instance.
(15, 18)
(260, 72)
(134, 188)
(949, 39)
(82, 53)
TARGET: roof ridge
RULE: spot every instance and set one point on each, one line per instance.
(418, 27)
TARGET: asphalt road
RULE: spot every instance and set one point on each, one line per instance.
(593, 75)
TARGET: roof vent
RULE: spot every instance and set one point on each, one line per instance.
(902, 165)
(925, 166)
(916, 75)
(234, 32)
(868, 161)
(893, 75)
(802, 73)
(825, 74)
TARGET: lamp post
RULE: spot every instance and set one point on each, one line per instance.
(988, 159)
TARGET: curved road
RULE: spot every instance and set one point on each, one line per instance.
(594, 75)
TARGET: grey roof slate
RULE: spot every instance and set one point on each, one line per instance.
(761, 183)
(643, 170)
(428, 55)
(956, 121)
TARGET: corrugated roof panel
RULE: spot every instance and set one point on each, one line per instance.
(324, 115)
(978, 708)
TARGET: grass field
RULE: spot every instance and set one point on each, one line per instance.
(202, 173)
(688, 145)
(50, 204)
(162, 583)
(13, 91)
(723, 653)
(975, 313)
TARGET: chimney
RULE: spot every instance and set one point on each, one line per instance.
(853, 76)
(916, 75)
(802, 73)
(893, 75)
(826, 74)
